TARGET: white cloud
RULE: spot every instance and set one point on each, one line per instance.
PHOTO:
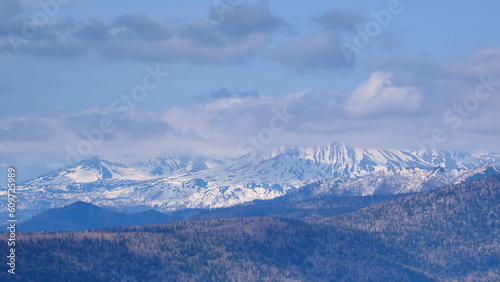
(220, 119)
(364, 117)
(378, 96)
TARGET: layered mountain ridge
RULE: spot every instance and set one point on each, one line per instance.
(447, 234)
(177, 182)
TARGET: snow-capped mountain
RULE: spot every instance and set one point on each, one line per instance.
(491, 158)
(126, 168)
(171, 182)
(398, 181)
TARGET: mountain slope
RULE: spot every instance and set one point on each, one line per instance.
(83, 216)
(123, 168)
(242, 249)
(393, 182)
(449, 234)
(454, 230)
(170, 183)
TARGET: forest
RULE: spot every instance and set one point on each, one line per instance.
(445, 234)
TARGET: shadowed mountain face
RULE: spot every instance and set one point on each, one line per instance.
(446, 234)
(82, 216)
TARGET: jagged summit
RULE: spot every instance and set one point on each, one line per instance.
(176, 182)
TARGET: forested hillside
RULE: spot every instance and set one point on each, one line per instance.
(447, 234)
(454, 232)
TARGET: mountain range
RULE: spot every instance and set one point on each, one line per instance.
(169, 183)
(447, 234)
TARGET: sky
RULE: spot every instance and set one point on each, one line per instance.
(226, 78)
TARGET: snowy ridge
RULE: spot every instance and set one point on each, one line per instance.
(176, 182)
(126, 168)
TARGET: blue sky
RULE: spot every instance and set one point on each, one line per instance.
(417, 81)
